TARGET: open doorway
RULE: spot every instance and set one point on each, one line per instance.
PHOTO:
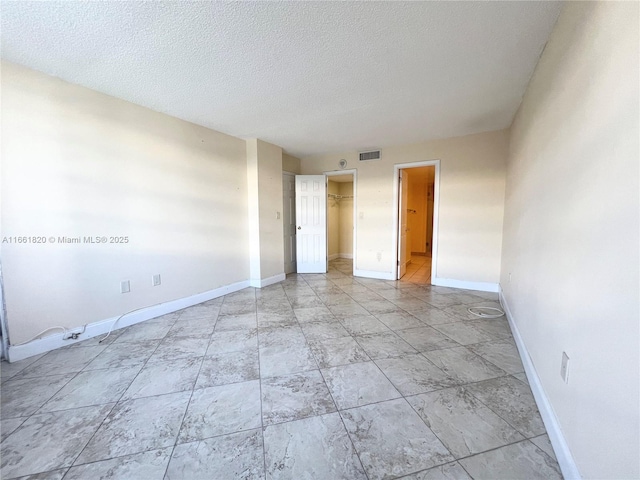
(417, 210)
(340, 221)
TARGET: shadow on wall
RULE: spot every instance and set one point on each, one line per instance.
(103, 167)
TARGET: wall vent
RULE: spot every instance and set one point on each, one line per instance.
(374, 155)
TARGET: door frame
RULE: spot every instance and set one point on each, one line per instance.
(436, 208)
(354, 172)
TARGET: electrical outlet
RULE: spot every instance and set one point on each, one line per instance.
(379, 256)
(361, 215)
(564, 369)
(277, 215)
(155, 280)
(125, 286)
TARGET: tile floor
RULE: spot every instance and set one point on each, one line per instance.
(419, 270)
(318, 377)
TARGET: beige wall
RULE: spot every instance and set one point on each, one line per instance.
(333, 220)
(471, 203)
(340, 220)
(346, 219)
(79, 163)
(570, 256)
(290, 163)
(264, 174)
(420, 180)
(417, 212)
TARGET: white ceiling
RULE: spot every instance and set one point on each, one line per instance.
(311, 77)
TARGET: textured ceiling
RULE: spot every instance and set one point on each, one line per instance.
(311, 77)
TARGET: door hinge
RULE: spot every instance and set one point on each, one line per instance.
(398, 262)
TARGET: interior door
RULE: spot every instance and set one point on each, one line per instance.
(403, 192)
(311, 223)
(289, 221)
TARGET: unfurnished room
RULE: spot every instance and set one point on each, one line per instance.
(319, 240)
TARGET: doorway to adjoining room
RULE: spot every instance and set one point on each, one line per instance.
(416, 193)
(340, 200)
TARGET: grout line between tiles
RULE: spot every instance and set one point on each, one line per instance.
(291, 296)
(114, 405)
(355, 450)
(262, 427)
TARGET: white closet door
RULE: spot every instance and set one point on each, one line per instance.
(311, 223)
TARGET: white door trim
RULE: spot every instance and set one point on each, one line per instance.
(354, 172)
(436, 207)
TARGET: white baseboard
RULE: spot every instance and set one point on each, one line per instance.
(372, 274)
(560, 447)
(334, 256)
(101, 327)
(265, 282)
(480, 286)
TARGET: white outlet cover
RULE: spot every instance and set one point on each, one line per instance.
(125, 286)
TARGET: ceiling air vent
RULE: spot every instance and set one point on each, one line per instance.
(374, 155)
